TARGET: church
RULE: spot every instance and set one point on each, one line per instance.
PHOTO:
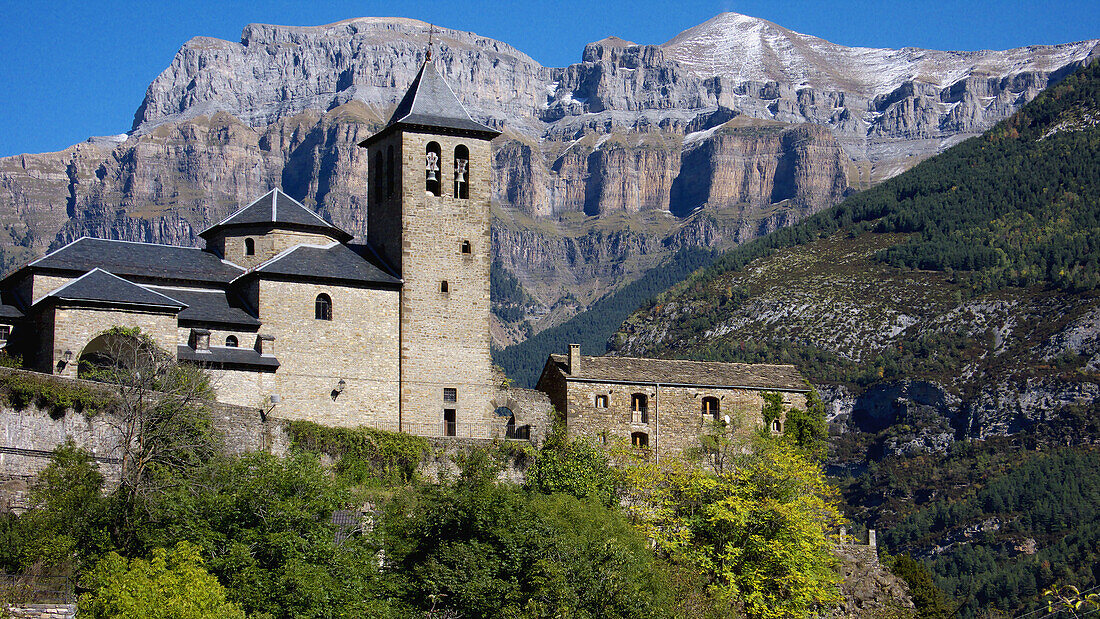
(293, 316)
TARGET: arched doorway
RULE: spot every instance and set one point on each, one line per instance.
(113, 355)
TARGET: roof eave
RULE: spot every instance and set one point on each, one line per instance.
(488, 134)
(613, 381)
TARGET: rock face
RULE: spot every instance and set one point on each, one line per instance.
(602, 164)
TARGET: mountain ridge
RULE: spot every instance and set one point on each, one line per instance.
(628, 136)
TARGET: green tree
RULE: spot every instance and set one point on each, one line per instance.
(67, 528)
(486, 549)
(265, 525)
(170, 585)
(575, 467)
(758, 531)
(807, 428)
(927, 597)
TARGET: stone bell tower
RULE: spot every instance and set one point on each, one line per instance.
(429, 196)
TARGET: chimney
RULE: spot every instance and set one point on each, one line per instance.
(574, 359)
(265, 344)
(200, 340)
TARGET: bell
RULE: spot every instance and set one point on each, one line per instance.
(431, 174)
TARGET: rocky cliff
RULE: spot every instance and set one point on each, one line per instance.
(635, 137)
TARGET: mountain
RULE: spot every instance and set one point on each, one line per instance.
(607, 166)
(950, 317)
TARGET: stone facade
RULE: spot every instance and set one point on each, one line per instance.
(74, 328)
(266, 243)
(664, 407)
(674, 418)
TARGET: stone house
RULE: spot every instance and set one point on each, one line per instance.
(660, 405)
(292, 315)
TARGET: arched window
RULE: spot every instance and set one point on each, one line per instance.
(710, 408)
(231, 341)
(462, 172)
(379, 176)
(432, 158)
(391, 171)
(444, 286)
(639, 439)
(250, 247)
(639, 408)
(777, 426)
(322, 309)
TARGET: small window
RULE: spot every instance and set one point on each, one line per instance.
(323, 307)
(391, 171)
(231, 341)
(639, 408)
(379, 176)
(601, 401)
(444, 286)
(710, 408)
(450, 394)
(639, 439)
(467, 248)
(5, 332)
(462, 172)
(431, 169)
(777, 426)
(450, 422)
(250, 247)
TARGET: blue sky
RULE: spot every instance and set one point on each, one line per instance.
(69, 71)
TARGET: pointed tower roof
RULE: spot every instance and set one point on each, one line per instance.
(430, 105)
(279, 210)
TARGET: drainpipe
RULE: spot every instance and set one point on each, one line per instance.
(656, 424)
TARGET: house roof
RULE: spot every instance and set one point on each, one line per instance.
(275, 208)
(228, 356)
(336, 262)
(430, 103)
(132, 259)
(102, 288)
(10, 312)
(209, 306)
(677, 372)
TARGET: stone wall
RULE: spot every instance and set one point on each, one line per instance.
(28, 436)
(674, 419)
(358, 346)
(268, 243)
(74, 328)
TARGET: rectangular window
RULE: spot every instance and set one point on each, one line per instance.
(450, 394)
(639, 408)
(450, 422)
(601, 401)
(5, 333)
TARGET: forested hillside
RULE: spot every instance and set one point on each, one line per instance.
(952, 317)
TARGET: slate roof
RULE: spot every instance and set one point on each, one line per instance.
(209, 306)
(430, 102)
(676, 372)
(132, 259)
(336, 262)
(227, 356)
(10, 311)
(277, 208)
(102, 288)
